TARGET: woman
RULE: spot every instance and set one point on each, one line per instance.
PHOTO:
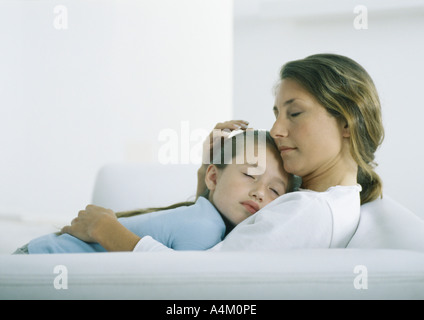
(328, 126)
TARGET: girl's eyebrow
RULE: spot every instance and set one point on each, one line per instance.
(251, 164)
(274, 179)
(280, 181)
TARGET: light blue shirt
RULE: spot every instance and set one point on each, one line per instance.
(196, 227)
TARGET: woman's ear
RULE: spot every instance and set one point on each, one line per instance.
(345, 130)
(211, 177)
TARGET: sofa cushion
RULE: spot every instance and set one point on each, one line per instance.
(207, 275)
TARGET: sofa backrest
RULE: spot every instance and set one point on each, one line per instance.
(385, 223)
(128, 186)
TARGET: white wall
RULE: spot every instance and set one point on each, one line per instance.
(269, 33)
(101, 90)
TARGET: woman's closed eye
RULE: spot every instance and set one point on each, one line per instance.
(294, 111)
(295, 114)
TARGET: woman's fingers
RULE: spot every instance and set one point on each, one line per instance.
(224, 129)
(87, 220)
(65, 229)
(68, 229)
(221, 131)
(232, 125)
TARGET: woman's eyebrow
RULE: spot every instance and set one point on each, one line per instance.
(289, 101)
(275, 109)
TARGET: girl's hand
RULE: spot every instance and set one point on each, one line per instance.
(90, 222)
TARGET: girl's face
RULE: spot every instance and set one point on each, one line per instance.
(238, 194)
(310, 140)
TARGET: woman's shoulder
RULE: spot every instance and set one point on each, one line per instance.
(329, 200)
(348, 190)
(344, 193)
(338, 206)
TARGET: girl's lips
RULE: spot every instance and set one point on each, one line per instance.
(251, 206)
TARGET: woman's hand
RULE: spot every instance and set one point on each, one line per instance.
(97, 224)
(89, 223)
(221, 131)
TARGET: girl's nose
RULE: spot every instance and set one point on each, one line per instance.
(258, 193)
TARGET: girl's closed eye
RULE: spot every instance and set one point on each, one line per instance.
(275, 191)
(248, 175)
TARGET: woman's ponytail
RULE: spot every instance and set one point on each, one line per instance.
(372, 185)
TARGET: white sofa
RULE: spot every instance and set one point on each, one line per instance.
(384, 260)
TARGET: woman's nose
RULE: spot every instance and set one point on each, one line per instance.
(279, 128)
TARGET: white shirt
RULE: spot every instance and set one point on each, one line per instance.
(302, 219)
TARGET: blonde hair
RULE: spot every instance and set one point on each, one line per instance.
(347, 91)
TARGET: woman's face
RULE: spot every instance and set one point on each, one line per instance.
(310, 140)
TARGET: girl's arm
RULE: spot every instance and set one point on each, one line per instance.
(97, 224)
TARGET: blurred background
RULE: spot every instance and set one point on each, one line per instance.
(88, 83)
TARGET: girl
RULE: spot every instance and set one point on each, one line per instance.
(234, 192)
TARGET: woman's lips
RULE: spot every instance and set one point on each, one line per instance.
(284, 149)
(251, 206)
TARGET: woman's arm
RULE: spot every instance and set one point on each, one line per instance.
(294, 220)
(100, 225)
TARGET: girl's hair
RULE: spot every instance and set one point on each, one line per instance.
(347, 91)
(225, 155)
